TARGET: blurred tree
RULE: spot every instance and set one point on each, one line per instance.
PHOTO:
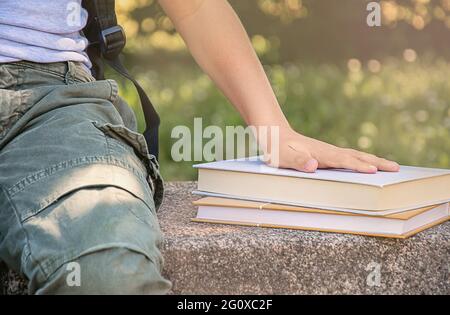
(311, 30)
(380, 89)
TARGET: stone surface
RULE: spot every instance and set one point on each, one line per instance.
(11, 283)
(227, 259)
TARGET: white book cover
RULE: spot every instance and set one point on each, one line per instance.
(379, 179)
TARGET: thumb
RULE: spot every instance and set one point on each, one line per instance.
(304, 162)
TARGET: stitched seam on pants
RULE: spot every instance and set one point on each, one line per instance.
(59, 75)
(132, 211)
(114, 91)
(28, 66)
(27, 238)
(110, 148)
(150, 187)
(57, 262)
(69, 164)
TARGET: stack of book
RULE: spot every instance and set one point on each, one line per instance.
(388, 204)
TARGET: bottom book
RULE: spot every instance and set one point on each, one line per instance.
(399, 225)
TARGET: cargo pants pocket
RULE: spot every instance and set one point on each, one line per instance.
(137, 142)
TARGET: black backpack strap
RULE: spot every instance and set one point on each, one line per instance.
(106, 42)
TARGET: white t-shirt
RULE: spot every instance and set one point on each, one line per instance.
(42, 31)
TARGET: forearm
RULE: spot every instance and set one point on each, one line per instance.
(218, 42)
(220, 45)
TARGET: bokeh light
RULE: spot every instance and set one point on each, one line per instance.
(381, 90)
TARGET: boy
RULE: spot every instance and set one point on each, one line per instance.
(78, 190)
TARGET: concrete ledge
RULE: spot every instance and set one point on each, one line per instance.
(221, 259)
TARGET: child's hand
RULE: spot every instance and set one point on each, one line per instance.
(208, 27)
(307, 154)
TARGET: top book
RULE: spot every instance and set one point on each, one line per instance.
(251, 179)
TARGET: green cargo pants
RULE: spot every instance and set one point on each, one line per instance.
(78, 189)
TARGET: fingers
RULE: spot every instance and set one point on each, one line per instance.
(307, 155)
(380, 163)
(386, 165)
(350, 162)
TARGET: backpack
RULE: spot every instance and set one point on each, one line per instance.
(106, 41)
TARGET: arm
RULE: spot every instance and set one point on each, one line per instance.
(219, 44)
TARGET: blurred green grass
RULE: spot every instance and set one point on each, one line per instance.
(395, 109)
